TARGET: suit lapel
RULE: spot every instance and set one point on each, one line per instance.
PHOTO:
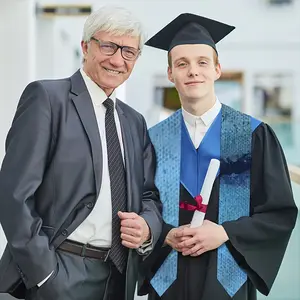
(128, 151)
(84, 106)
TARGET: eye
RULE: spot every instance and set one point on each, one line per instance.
(202, 62)
(182, 64)
(108, 48)
(129, 52)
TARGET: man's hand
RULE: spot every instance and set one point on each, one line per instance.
(207, 237)
(134, 230)
(174, 238)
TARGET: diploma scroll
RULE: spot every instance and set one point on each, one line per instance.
(210, 177)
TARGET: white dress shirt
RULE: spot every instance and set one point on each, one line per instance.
(96, 229)
(198, 125)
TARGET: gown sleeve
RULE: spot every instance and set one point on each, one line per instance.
(154, 260)
(258, 242)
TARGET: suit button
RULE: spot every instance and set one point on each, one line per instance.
(64, 232)
(90, 205)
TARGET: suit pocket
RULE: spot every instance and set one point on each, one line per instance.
(50, 279)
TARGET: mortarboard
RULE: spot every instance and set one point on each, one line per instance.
(190, 29)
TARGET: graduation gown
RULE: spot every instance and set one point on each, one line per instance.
(257, 243)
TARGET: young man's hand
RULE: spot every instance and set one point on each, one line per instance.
(207, 237)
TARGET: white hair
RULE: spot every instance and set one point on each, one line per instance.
(115, 20)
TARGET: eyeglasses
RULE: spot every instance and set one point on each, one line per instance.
(110, 48)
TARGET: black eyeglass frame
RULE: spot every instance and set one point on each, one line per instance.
(135, 51)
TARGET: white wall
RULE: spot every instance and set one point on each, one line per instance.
(17, 57)
(17, 62)
(57, 41)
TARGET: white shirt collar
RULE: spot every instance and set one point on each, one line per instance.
(207, 118)
(97, 94)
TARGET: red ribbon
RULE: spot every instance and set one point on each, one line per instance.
(199, 206)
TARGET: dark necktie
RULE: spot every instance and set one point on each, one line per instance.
(118, 253)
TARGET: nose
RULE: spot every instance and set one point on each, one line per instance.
(117, 60)
(193, 70)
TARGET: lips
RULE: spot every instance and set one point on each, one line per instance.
(194, 82)
(111, 71)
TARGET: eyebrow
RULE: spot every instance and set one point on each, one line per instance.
(186, 59)
(128, 47)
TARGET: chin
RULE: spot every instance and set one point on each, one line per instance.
(196, 96)
(112, 84)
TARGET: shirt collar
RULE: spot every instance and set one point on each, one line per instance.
(207, 118)
(97, 94)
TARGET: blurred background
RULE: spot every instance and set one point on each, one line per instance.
(260, 62)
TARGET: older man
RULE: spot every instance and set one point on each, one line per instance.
(77, 182)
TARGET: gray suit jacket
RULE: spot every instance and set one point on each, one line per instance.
(51, 177)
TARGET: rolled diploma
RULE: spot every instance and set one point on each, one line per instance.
(210, 177)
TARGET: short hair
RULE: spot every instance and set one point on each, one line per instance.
(216, 59)
(115, 20)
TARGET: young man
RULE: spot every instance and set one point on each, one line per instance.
(78, 204)
(251, 212)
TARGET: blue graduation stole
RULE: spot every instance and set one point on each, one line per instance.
(231, 135)
(166, 139)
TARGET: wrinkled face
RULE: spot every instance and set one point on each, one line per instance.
(108, 71)
(194, 71)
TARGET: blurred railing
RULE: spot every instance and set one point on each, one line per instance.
(288, 134)
(294, 173)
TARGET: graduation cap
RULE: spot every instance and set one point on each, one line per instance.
(190, 29)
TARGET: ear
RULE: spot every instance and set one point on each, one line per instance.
(218, 72)
(170, 76)
(84, 48)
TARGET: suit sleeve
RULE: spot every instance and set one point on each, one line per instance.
(258, 242)
(23, 167)
(151, 205)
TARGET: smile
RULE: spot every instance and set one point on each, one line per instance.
(112, 71)
(194, 82)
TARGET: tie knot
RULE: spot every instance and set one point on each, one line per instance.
(109, 104)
